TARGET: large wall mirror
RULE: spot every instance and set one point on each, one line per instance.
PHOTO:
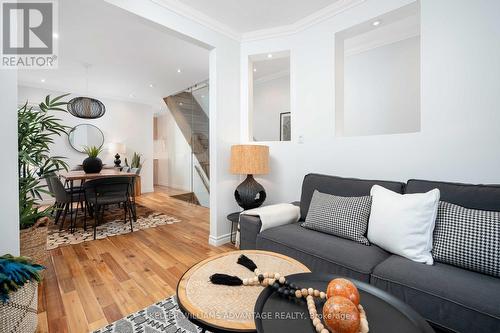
(377, 75)
(85, 135)
(269, 96)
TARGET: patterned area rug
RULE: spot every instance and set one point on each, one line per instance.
(164, 316)
(113, 225)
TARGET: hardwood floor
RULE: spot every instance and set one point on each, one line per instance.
(91, 284)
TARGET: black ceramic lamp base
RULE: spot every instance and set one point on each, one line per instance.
(117, 160)
(250, 194)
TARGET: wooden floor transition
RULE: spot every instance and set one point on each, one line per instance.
(91, 284)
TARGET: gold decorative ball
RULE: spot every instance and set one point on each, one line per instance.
(341, 315)
(344, 288)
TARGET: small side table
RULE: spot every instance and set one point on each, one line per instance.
(233, 218)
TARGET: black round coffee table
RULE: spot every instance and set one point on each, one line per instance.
(385, 313)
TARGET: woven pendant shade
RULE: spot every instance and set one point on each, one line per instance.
(86, 107)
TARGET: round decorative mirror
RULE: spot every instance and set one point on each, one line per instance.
(85, 135)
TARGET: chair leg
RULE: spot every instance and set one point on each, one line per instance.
(127, 204)
(59, 208)
(73, 221)
(96, 217)
(66, 206)
(125, 209)
(85, 215)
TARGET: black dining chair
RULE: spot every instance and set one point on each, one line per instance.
(64, 199)
(102, 192)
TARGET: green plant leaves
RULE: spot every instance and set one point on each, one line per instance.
(36, 131)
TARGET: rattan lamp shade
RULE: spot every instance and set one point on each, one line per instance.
(250, 159)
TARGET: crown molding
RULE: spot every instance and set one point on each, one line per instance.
(198, 17)
(304, 23)
(271, 77)
(215, 25)
(379, 43)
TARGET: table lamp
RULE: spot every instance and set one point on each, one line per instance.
(118, 148)
(250, 160)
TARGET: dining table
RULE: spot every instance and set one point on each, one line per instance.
(74, 175)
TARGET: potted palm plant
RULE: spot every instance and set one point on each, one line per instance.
(19, 279)
(92, 164)
(37, 128)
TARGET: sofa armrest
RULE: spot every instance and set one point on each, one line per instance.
(249, 229)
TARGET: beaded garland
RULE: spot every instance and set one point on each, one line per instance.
(285, 289)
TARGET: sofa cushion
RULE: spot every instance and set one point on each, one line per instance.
(484, 197)
(468, 238)
(452, 297)
(346, 217)
(322, 252)
(345, 187)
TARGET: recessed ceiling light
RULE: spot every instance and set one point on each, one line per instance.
(55, 35)
(179, 70)
(42, 80)
(255, 69)
(151, 85)
(269, 55)
(376, 23)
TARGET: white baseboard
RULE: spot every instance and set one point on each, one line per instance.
(221, 240)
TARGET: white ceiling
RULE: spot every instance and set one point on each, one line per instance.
(245, 16)
(126, 54)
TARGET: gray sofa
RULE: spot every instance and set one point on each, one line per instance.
(450, 298)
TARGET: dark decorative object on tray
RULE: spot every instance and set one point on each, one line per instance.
(86, 107)
(250, 160)
(118, 148)
(92, 164)
(342, 311)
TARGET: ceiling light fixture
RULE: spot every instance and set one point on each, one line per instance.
(86, 107)
(255, 70)
(270, 55)
(55, 35)
(42, 80)
(376, 23)
(151, 85)
(179, 70)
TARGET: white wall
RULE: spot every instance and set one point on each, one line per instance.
(270, 98)
(382, 89)
(9, 212)
(460, 77)
(129, 123)
(224, 104)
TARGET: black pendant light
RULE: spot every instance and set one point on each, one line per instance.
(86, 107)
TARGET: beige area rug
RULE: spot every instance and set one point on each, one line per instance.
(113, 225)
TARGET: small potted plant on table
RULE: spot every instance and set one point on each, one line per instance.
(92, 164)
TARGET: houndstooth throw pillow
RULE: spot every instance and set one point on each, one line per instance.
(345, 217)
(468, 238)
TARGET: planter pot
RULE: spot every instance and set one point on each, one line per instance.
(19, 313)
(33, 242)
(92, 165)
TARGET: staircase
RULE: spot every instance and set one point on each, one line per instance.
(194, 125)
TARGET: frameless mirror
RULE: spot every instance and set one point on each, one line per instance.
(269, 96)
(377, 75)
(85, 135)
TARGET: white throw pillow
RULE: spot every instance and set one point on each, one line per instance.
(403, 223)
